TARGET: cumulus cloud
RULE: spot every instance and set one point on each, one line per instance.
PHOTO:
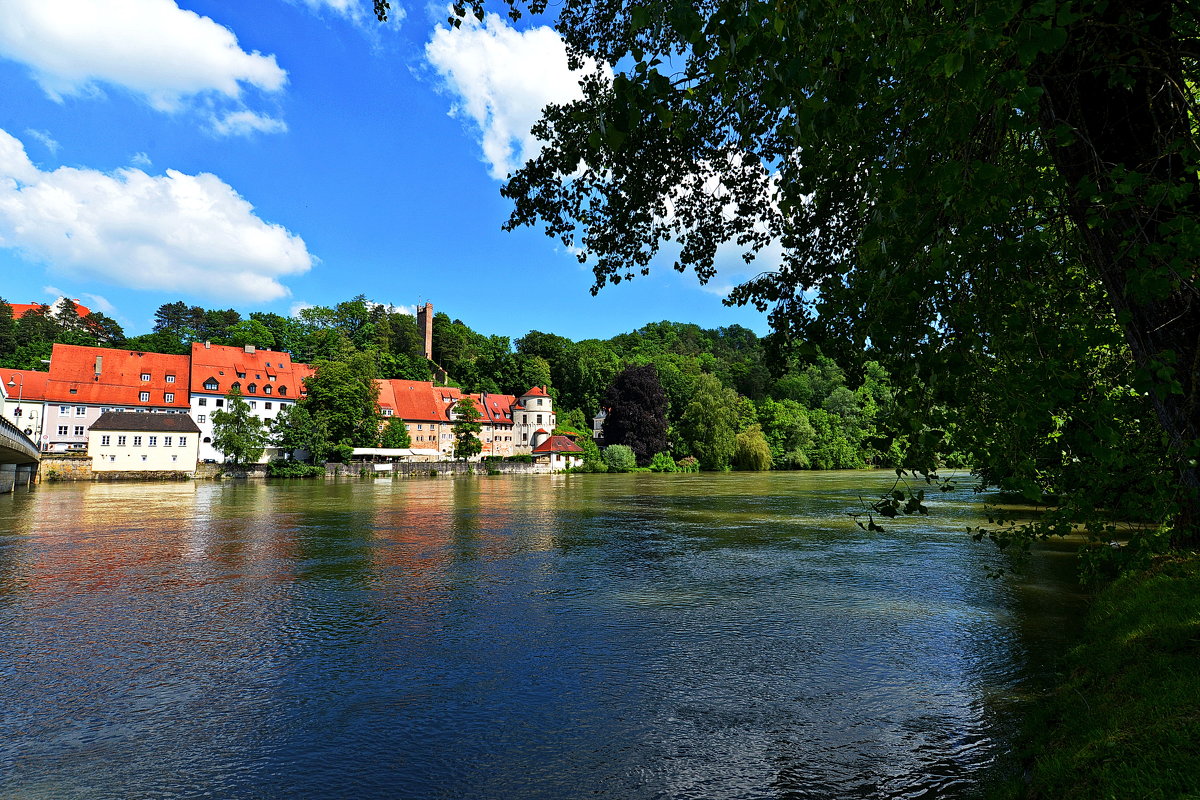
(176, 232)
(501, 79)
(152, 48)
(140, 160)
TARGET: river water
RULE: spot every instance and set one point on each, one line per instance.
(598, 636)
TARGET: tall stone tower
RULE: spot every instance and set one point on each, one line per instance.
(425, 325)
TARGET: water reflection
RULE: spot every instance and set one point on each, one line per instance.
(614, 636)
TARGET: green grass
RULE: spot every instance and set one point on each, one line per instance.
(1124, 722)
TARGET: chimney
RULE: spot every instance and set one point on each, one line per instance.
(250, 349)
(208, 345)
(99, 362)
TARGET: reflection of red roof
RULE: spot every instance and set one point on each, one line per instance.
(222, 364)
(27, 384)
(557, 444)
(101, 375)
(19, 309)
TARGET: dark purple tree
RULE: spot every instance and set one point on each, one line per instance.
(637, 412)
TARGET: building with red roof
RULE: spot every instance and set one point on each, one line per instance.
(23, 399)
(560, 452)
(85, 382)
(268, 380)
(532, 410)
(20, 309)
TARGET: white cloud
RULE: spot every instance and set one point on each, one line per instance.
(177, 232)
(140, 160)
(359, 11)
(100, 303)
(501, 79)
(246, 123)
(152, 48)
(299, 306)
(45, 138)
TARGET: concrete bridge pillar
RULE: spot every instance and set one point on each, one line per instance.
(8, 477)
(25, 473)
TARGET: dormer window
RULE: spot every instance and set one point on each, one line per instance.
(211, 385)
(241, 374)
(145, 376)
(267, 389)
(170, 379)
(252, 388)
(236, 385)
(283, 390)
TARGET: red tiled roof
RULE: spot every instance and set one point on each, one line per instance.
(19, 309)
(417, 400)
(558, 444)
(223, 363)
(27, 384)
(494, 408)
(536, 391)
(119, 381)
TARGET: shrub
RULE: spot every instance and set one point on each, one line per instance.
(294, 469)
(619, 458)
(662, 462)
(689, 464)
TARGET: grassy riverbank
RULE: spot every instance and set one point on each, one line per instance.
(1124, 721)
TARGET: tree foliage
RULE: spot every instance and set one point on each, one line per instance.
(619, 458)
(395, 434)
(467, 443)
(637, 412)
(237, 432)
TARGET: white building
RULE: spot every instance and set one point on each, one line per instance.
(124, 441)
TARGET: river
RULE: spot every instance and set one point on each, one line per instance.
(599, 636)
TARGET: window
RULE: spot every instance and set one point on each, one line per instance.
(241, 374)
(112, 458)
(168, 397)
(105, 441)
(62, 430)
(145, 376)
(387, 412)
(420, 427)
(143, 458)
(202, 418)
(64, 410)
(17, 413)
(137, 441)
(120, 441)
(153, 442)
(183, 441)
(283, 390)
(539, 401)
(202, 401)
(170, 379)
(81, 411)
(166, 441)
(211, 385)
(539, 419)
(253, 404)
(174, 458)
(79, 430)
(270, 377)
(268, 406)
(220, 402)
(73, 391)
(266, 390)
(144, 397)
(252, 388)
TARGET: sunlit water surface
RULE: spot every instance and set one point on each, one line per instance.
(645, 636)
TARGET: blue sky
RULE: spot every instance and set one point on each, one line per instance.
(269, 154)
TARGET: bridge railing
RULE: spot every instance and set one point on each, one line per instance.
(19, 439)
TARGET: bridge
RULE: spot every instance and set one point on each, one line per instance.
(19, 457)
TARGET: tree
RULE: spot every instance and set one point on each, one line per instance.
(237, 432)
(250, 332)
(929, 171)
(750, 450)
(395, 434)
(296, 429)
(467, 443)
(637, 412)
(344, 397)
(709, 424)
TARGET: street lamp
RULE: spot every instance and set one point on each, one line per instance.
(21, 395)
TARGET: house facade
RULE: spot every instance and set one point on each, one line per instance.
(268, 380)
(131, 442)
(560, 452)
(85, 382)
(24, 400)
(533, 410)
